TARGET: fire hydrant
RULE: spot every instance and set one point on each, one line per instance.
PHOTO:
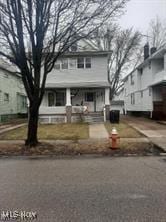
(114, 138)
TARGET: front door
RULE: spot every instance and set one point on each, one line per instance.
(90, 98)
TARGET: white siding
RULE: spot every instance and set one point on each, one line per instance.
(153, 72)
(94, 76)
(11, 85)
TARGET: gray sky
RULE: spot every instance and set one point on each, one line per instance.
(140, 12)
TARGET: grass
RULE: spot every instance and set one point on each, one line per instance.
(73, 131)
(124, 130)
(102, 148)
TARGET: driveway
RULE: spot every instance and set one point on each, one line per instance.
(155, 131)
(86, 189)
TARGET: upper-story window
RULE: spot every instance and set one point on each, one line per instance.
(132, 98)
(72, 63)
(6, 97)
(141, 71)
(150, 91)
(6, 75)
(80, 63)
(88, 62)
(64, 63)
(57, 66)
(132, 79)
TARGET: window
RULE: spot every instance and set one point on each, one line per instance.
(6, 75)
(132, 79)
(132, 98)
(72, 63)
(149, 64)
(57, 66)
(60, 99)
(89, 97)
(80, 63)
(51, 99)
(64, 63)
(23, 102)
(150, 91)
(141, 71)
(6, 97)
(88, 62)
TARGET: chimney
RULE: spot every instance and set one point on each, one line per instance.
(146, 51)
(153, 50)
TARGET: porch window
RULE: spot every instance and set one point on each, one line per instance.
(51, 99)
(89, 97)
(88, 62)
(80, 63)
(60, 99)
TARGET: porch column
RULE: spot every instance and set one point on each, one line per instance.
(107, 103)
(68, 105)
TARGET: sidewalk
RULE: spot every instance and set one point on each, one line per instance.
(155, 131)
(7, 128)
(97, 131)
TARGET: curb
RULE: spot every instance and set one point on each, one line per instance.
(53, 156)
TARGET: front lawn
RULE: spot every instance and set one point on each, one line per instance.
(64, 131)
(124, 130)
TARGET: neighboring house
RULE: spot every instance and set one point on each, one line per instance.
(13, 100)
(118, 102)
(145, 87)
(78, 80)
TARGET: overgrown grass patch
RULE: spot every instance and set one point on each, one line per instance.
(75, 148)
(73, 131)
(124, 130)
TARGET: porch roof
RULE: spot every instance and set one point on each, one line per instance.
(78, 85)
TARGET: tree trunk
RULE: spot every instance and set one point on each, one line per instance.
(32, 127)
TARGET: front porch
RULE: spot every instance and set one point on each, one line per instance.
(159, 101)
(74, 105)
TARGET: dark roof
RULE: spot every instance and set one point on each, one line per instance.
(87, 53)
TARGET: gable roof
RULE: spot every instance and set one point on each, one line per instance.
(158, 54)
(7, 67)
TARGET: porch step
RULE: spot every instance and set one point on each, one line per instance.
(94, 118)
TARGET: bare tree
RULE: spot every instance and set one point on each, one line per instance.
(157, 33)
(124, 47)
(48, 28)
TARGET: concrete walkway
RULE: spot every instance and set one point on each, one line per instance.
(155, 131)
(6, 129)
(97, 131)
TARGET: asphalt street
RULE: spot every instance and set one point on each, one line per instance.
(86, 189)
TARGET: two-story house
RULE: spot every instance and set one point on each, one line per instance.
(79, 80)
(13, 100)
(145, 86)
